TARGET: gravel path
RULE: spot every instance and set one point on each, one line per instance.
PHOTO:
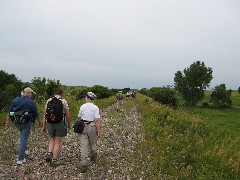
(120, 132)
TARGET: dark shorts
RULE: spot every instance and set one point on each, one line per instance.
(57, 129)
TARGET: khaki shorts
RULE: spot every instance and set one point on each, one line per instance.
(57, 129)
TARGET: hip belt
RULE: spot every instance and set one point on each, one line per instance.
(87, 122)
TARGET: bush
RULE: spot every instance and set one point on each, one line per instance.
(164, 95)
(220, 97)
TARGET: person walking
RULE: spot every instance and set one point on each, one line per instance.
(23, 112)
(119, 98)
(55, 112)
(89, 113)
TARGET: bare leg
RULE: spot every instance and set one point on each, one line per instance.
(57, 147)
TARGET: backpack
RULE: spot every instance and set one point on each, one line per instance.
(19, 117)
(119, 96)
(54, 111)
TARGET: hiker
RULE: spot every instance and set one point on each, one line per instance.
(55, 112)
(89, 113)
(23, 112)
(128, 95)
(119, 98)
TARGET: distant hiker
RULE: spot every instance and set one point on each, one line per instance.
(23, 112)
(119, 98)
(239, 89)
(55, 112)
(89, 113)
(128, 95)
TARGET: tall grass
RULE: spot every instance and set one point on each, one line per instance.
(180, 146)
(223, 119)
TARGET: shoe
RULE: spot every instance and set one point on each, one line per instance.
(21, 162)
(94, 157)
(49, 157)
(84, 168)
(27, 152)
(53, 163)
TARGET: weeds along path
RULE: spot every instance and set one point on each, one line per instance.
(120, 132)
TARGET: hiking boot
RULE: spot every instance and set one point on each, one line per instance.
(94, 157)
(49, 157)
(84, 168)
(54, 163)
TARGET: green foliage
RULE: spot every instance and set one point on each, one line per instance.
(163, 95)
(82, 92)
(51, 86)
(100, 91)
(220, 97)
(10, 87)
(181, 146)
(192, 81)
(39, 86)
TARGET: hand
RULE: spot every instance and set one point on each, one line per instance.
(98, 135)
(7, 124)
(39, 124)
(44, 129)
(69, 126)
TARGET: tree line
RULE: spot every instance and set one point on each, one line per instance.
(11, 87)
(190, 84)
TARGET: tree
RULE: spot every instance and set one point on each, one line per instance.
(192, 81)
(51, 86)
(220, 97)
(39, 85)
(10, 87)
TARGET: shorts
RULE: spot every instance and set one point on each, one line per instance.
(57, 129)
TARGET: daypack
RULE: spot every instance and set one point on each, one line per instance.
(19, 117)
(119, 96)
(54, 111)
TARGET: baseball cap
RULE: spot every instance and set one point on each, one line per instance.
(27, 90)
(91, 95)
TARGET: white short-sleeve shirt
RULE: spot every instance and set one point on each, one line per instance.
(89, 112)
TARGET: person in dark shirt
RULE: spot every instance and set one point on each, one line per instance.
(28, 106)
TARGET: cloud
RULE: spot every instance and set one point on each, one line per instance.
(119, 43)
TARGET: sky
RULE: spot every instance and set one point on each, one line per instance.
(119, 43)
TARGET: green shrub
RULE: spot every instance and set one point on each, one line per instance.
(220, 97)
(163, 95)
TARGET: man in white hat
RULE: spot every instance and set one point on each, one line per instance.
(23, 113)
(89, 113)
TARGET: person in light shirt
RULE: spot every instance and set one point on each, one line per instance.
(89, 113)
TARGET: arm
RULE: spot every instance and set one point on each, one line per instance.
(67, 113)
(44, 121)
(97, 120)
(7, 123)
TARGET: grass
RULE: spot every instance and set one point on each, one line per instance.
(224, 119)
(189, 143)
(182, 146)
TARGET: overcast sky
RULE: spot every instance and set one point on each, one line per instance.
(119, 43)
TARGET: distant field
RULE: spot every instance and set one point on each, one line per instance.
(225, 119)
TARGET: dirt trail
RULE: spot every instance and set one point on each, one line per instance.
(120, 131)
